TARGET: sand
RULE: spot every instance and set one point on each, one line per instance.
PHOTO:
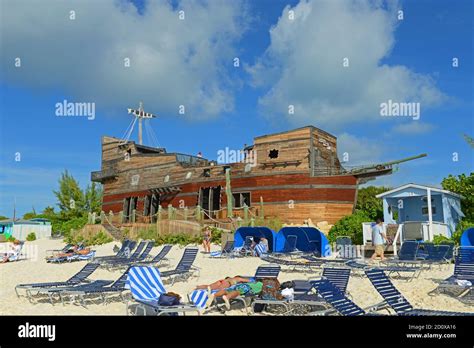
(35, 269)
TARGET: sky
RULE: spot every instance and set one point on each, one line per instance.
(334, 62)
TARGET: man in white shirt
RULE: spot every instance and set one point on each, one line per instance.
(378, 240)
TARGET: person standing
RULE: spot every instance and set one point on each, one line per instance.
(378, 240)
(206, 241)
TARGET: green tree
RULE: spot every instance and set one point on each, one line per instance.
(71, 200)
(93, 198)
(29, 215)
(49, 211)
(3, 217)
(463, 185)
(350, 226)
(368, 203)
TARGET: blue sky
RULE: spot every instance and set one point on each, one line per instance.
(190, 62)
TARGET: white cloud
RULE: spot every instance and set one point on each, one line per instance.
(173, 61)
(360, 150)
(303, 66)
(413, 128)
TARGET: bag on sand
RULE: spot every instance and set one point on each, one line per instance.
(287, 285)
(169, 299)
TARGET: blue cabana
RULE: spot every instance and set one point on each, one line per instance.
(257, 232)
(467, 238)
(309, 239)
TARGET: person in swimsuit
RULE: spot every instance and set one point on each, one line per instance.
(222, 284)
(250, 288)
(206, 241)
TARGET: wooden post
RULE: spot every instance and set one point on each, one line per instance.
(170, 212)
(134, 215)
(111, 216)
(185, 213)
(93, 218)
(198, 212)
(262, 215)
(89, 218)
(121, 216)
(252, 222)
(158, 219)
(246, 213)
(102, 217)
(228, 192)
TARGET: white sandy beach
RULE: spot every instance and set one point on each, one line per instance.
(37, 270)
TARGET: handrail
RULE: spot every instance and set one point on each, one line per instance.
(397, 235)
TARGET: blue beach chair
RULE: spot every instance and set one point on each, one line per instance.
(184, 269)
(147, 287)
(393, 298)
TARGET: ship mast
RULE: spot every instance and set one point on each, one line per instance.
(139, 115)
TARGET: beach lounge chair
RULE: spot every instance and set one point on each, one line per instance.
(124, 252)
(184, 269)
(396, 300)
(15, 255)
(408, 254)
(460, 284)
(337, 299)
(289, 248)
(147, 287)
(246, 248)
(136, 253)
(394, 271)
(227, 250)
(78, 278)
(344, 247)
(305, 266)
(102, 289)
(136, 257)
(304, 300)
(158, 259)
(264, 271)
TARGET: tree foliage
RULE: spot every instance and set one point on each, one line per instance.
(367, 202)
(350, 226)
(463, 185)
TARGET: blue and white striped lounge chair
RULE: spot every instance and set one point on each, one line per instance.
(78, 278)
(393, 298)
(457, 285)
(261, 249)
(184, 269)
(146, 287)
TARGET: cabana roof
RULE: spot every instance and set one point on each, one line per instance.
(433, 189)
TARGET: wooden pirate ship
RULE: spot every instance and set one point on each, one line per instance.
(297, 175)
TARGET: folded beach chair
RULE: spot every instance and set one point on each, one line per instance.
(461, 284)
(245, 249)
(78, 278)
(227, 250)
(147, 287)
(304, 300)
(135, 257)
(184, 269)
(344, 247)
(396, 300)
(18, 255)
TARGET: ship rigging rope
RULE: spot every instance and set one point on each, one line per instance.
(151, 133)
(129, 130)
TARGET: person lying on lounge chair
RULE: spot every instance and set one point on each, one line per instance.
(76, 249)
(224, 283)
(241, 289)
(13, 253)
